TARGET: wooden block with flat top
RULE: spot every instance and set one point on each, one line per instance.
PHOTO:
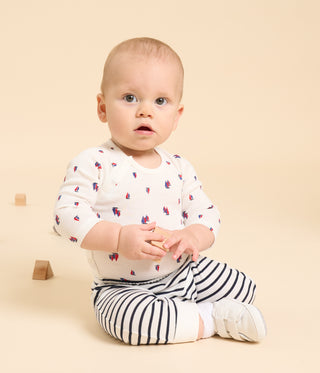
(20, 199)
(158, 243)
(42, 270)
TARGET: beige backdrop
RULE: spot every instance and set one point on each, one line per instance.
(250, 127)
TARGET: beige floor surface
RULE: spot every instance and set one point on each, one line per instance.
(270, 230)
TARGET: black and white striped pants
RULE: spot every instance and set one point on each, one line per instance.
(165, 310)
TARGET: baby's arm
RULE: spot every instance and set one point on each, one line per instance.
(131, 241)
(200, 218)
(103, 236)
(76, 220)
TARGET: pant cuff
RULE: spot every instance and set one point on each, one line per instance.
(187, 328)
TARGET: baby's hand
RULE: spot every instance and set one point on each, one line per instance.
(134, 242)
(183, 241)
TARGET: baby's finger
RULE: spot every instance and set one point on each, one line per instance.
(152, 236)
(195, 255)
(170, 242)
(148, 227)
(180, 249)
(154, 252)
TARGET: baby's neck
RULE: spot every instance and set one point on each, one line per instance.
(150, 160)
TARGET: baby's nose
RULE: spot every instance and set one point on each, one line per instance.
(145, 111)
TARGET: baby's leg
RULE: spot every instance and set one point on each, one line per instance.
(137, 316)
(215, 281)
(169, 311)
(224, 297)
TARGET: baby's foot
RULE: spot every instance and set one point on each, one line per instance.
(237, 320)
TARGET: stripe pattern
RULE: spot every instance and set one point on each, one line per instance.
(147, 312)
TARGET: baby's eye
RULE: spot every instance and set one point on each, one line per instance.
(130, 98)
(161, 101)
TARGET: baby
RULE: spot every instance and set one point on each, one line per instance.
(150, 286)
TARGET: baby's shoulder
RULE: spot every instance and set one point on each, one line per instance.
(177, 160)
(99, 156)
(89, 155)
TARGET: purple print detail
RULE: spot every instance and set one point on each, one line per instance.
(145, 219)
(167, 184)
(166, 210)
(114, 256)
(116, 211)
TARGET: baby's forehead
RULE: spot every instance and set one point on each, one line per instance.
(132, 65)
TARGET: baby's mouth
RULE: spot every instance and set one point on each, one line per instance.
(144, 129)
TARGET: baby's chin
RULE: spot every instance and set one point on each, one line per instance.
(130, 150)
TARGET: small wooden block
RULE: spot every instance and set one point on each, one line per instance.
(157, 243)
(42, 270)
(20, 199)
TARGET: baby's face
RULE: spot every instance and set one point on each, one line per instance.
(142, 101)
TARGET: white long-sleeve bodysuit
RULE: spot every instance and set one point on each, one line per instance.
(103, 183)
(142, 301)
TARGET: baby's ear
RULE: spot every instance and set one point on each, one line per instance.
(178, 115)
(101, 108)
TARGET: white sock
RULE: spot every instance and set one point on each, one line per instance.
(205, 312)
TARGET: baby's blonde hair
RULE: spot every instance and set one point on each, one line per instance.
(143, 46)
